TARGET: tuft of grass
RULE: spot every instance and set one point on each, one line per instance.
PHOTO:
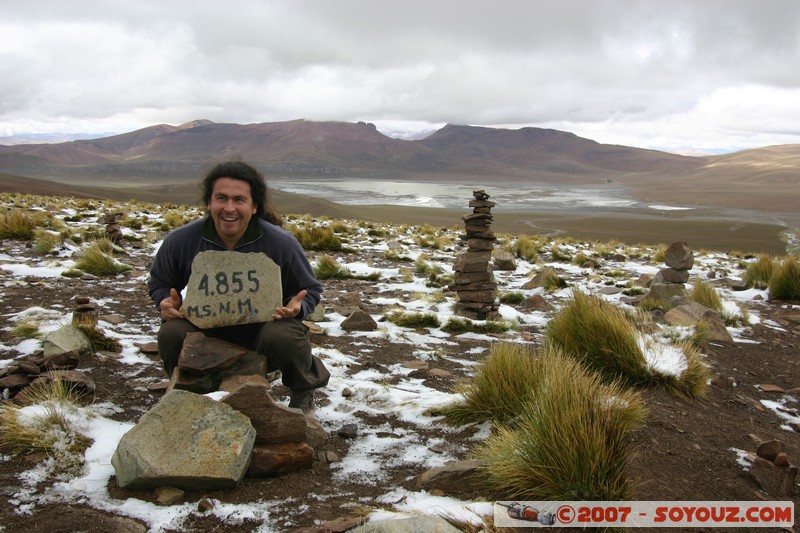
(423, 266)
(511, 297)
(327, 267)
(459, 325)
(561, 431)
(414, 320)
(601, 336)
(317, 238)
(45, 241)
(560, 255)
(604, 338)
(502, 384)
(16, 224)
(97, 259)
(99, 341)
(785, 281)
(659, 254)
(43, 423)
(25, 330)
(394, 255)
(526, 248)
(706, 295)
(759, 272)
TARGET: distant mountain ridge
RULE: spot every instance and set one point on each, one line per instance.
(306, 148)
(765, 178)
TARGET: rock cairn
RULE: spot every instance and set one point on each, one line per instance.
(772, 470)
(85, 313)
(474, 281)
(113, 229)
(668, 282)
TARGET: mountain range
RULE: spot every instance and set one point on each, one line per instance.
(163, 157)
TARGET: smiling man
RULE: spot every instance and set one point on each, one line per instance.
(240, 218)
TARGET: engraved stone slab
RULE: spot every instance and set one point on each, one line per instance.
(228, 288)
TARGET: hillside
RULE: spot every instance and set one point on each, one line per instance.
(757, 186)
(386, 383)
(302, 148)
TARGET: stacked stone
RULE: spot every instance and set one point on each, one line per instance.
(474, 281)
(668, 282)
(85, 313)
(113, 229)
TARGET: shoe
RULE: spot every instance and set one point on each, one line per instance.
(303, 400)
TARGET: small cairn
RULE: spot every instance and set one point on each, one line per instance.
(85, 312)
(113, 229)
(474, 281)
(668, 282)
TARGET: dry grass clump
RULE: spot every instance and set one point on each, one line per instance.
(99, 341)
(43, 423)
(414, 320)
(327, 267)
(511, 297)
(16, 224)
(526, 248)
(46, 241)
(706, 295)
(759, 272)
(785, 281)
(97, 259)
(317, 238)
(459, 325)
(561, 431)
(604, 338)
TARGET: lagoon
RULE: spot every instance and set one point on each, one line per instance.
(511, 197)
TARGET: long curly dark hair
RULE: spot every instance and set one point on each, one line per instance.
(239, 170)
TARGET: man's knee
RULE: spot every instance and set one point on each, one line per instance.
(170, 341)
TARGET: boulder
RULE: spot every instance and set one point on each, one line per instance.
(187, 441)
(359, 321)
(679, 256)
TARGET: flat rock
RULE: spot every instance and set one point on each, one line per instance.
(201, 354)
(187, 441)
(228, 288)
(274, 424)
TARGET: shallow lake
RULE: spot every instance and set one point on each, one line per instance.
(509, 197)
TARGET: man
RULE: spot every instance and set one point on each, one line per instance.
(240, 218)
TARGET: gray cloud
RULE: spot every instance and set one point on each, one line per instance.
(711, 74)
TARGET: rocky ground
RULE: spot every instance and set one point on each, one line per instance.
(688, 449)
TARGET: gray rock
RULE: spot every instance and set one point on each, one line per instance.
(671, 275)
(458, 478)
(274, 424)
(348, 431)
(67, 338)
(187, 441)
(227, 288)
(686, 315)
(504, 260)
(359, 321)
(665, 291)
(679, 256)
(416, 524)
(774, 480)
(270, 460)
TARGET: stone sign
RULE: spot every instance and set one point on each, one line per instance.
(228, 288)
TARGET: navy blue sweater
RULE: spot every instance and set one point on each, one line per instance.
(172, 266)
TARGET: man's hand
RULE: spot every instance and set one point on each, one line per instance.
(292, 309)
(170, 307)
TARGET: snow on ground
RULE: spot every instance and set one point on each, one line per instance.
(370, 453)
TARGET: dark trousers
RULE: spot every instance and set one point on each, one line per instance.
(284, 343)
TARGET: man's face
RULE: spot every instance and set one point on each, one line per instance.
(231, 207)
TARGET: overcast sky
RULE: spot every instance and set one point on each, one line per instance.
(675, 75)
